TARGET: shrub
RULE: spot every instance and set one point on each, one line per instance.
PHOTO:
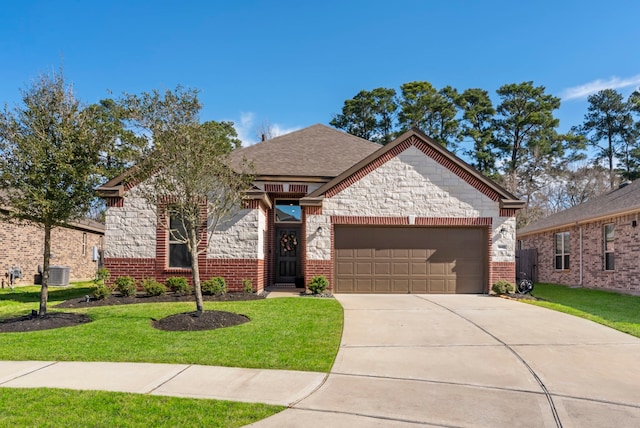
(126, 286)
(502, 287)
(153, 287)
(247, 285)
(215, 285)
(318, 284)
(101, 291)
(102, 275)
(178, 284)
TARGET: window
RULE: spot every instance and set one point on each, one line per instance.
(562, 251)
(288, 211)
(84, 244)
(608, 239)
(178, 254)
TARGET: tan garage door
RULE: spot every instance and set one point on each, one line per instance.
(410, 259)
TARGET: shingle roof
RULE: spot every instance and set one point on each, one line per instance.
(613, 203)
(316, 151)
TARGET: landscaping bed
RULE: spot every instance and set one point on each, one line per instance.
(187, 321)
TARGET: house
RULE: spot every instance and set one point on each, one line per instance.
(408, 217)
(22, 246)
(594, 244)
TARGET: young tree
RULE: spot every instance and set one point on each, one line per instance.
(605, 124)
(50, 161)
(369, 115)
(434, 112)
(186, 177)
(477, 125)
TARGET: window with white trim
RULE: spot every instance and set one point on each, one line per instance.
(608, 241)
(562, 251)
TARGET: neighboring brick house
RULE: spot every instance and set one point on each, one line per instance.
(22, 245)
(409, 217)
(594, 244)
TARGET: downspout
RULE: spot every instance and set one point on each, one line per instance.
(580, 281)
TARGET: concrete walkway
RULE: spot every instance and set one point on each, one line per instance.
(279, 387)
(472, 361)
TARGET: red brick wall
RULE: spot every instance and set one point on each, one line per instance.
(232, 270)
(23, 245)
(625, 277)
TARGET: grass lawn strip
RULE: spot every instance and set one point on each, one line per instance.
(618, 311)
(285, 333)
(61, 407)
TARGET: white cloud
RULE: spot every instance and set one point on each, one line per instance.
(587, 89)
(249, 131)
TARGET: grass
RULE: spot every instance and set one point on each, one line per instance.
(284, 333)
(60, 407)
(618, 311)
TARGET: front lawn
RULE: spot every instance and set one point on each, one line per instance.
(284, 333)
(618, 311)
(66, 408)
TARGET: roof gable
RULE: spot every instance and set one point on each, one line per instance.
(616, 202)
(316, 151)
(431, 149)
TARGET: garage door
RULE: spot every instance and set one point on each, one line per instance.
(410, 259)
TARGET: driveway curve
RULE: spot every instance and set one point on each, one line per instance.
(471, 361)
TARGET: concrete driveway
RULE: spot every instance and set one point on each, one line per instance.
(471, 361)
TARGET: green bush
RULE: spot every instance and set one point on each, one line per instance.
(178, 284)
(247, 286)
(101, 291)
(153, 287)
(126, 286)
(503, 286)
(102, 275)
(318, 284)
(215, 285)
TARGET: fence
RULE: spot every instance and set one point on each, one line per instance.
(527, 262)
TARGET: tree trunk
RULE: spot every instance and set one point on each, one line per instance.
(44, 290)
(195, 270)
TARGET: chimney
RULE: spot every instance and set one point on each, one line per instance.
(264, 137)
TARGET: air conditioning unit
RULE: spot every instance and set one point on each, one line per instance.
(59, 275)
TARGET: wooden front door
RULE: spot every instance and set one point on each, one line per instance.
(288, 250)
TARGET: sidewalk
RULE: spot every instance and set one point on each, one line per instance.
(279, 387)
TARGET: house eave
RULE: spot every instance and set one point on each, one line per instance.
(619, 213)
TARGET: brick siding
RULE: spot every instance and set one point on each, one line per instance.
(23, 245)
(626, 275)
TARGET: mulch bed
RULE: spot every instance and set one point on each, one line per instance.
(188, 321)
(49, 321)
(191, 321)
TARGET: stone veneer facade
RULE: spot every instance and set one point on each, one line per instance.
(23, 246)
(586, 255)
(407, 186)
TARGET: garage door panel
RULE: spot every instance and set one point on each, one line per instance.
(382, 285)
(385, 259)
(419, 268)
(383, 268)
(363, 253)
(364, 285)
(344, 268)
(364, 268)
(400, 268)
(400, 285)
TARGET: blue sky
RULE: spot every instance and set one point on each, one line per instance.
(292, 64)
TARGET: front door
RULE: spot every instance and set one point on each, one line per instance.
(287, 251)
